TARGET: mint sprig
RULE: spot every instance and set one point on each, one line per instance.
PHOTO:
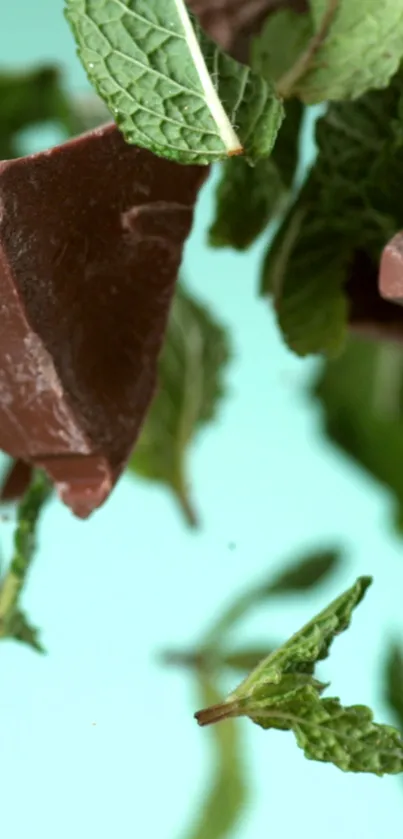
(168, 86)
(282, 693)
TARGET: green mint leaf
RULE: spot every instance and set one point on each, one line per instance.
(360, 395)
(11, 619)
(349, 203)
(394, 682)
(192, 364)
(306, 573)
(302, 575)
(227, 792)
(247, 197)
(346, 737)
(246, 200)
(20, 630)
(283, 39)
(30, 99)
(310, 644)
(281, 693)
(334, 52)
(168, 86)
(305, 270)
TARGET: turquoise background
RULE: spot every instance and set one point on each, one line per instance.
(97, 738)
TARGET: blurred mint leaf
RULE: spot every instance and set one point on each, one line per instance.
(303, 574)
(348, 203)
(394, 682)
(306, 573)
(228, 791)
(246, 200)
(361, 396)
(12, 620)
(20, 630)
(168, 86)
(249, 197)
(335, 51)
(283, 39)
(191, 369)
(30, 99)
(282, 693)
(244, 659)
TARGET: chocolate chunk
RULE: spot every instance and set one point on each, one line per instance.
(91, 239)
(370, 315)
(391, 270)
(16, 481)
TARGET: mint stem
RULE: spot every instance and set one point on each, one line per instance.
(217, 713)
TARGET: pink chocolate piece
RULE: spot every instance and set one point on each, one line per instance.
(391, 270)
(91, 240)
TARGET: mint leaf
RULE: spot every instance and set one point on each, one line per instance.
(361, 397)
(29, 99)
(306, 573)
(346, 737)
(20, 630)
(283, 39)
(334, 52)
(169, 87)
(310, 644)
(191, 369)
(282, 693)
(394, 682)
(246, 199)
(227, 792)
(12, 620)
(249, 197)
(348, 203)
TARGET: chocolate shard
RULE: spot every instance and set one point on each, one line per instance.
(16, 481)
(91, 240)
(369, 314)
(391, 270)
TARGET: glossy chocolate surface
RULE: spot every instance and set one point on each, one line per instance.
(91, 240)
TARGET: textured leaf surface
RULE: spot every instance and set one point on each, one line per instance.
(361, 395)
(346, 737)
(282, 693)
(169, 88)
(348, 203)
(227, 794)
(394, 682)
(310, 644)
(248, 198)
(338, 51)
(191, 369)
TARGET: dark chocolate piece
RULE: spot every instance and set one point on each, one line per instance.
(16, 481)
(391, 270)
(370, 315)
(91, 239)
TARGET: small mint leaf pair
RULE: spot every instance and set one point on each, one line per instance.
(282, 693)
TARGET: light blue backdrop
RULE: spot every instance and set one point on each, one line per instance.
(111, 592)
